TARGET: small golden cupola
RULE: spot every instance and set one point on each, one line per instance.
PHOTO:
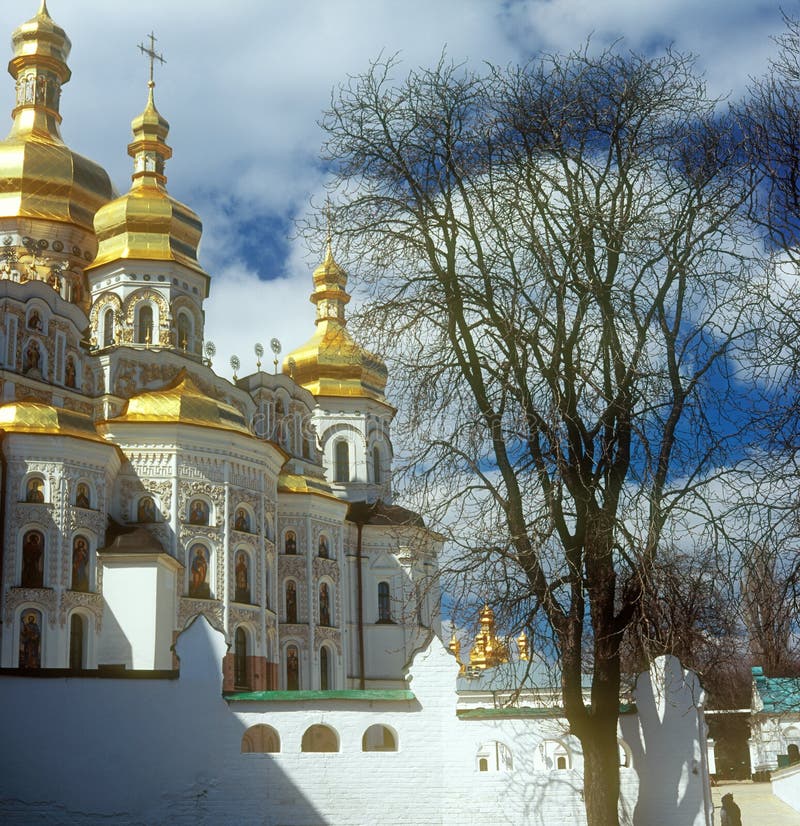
(48, 194)
(488, 650)
(147, 223)
(331, 363)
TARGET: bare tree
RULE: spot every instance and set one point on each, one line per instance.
(559, 274)
(770, 122)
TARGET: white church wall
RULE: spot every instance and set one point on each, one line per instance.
(169, 751)
(786, 785)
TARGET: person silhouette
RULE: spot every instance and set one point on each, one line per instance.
(731, 814)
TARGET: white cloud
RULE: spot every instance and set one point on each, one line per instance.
(247, 80)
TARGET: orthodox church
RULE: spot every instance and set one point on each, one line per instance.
(138, 489)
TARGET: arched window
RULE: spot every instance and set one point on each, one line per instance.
(32, 575)
(292, 668)
(108, 327)
(384, 602)
(561, 762)
(494, 756)
(793, 752)
(144, 327)
(76, 632)
(261, 739)
(80, 564)
(184, 332)
(325, 613)
(291, 601)
(30, 638)
(324, 669)
(240, 659)
(342, 462)
(320, 738)
(379, 738)
(377, 476)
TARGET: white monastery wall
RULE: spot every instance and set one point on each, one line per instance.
(84, 750)
(786, 785)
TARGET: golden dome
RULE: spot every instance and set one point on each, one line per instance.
(40, 177)
(48, 420)
(182, 402)
(331, 363)
(147, 223)
(488, 650)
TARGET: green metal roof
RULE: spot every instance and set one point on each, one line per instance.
(385, 695)
(778, 694)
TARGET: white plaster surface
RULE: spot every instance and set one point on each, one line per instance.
(90, 751)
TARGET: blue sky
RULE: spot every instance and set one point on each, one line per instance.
(246, 80)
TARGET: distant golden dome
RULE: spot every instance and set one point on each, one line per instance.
(182, 402)
(40, 177)
(48, 420)
(331, 362)
(147, 222)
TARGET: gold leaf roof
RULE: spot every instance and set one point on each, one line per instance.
(296, 483)
(41, 177)
(47, 420)
(147, 223)
(183, 402)
(331, 362)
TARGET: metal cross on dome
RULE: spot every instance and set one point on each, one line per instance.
(152, 54)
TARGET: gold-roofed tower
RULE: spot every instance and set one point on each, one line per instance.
(49, 194)
(352, 416)
(148, 245)
(331, 362)
(488, 650)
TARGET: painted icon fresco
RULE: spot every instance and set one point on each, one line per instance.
(30, 639)
(242, 520)
(83, 496)
(292, 669)
(198, 582)
(34, 490)
(198, 512)
(80, 564)
(146, 510)
(32, 560)
(290, 543)
(291, 601)
(242, 593)
(324, 548)
(324, 605)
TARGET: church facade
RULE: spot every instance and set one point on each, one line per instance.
(138, 488)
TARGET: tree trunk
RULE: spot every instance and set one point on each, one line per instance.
(601, 772)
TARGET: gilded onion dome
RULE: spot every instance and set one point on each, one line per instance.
(47, 420)
(41, 177)
(182, 402)
(147, 223)
(331, 362)
(488, 650)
